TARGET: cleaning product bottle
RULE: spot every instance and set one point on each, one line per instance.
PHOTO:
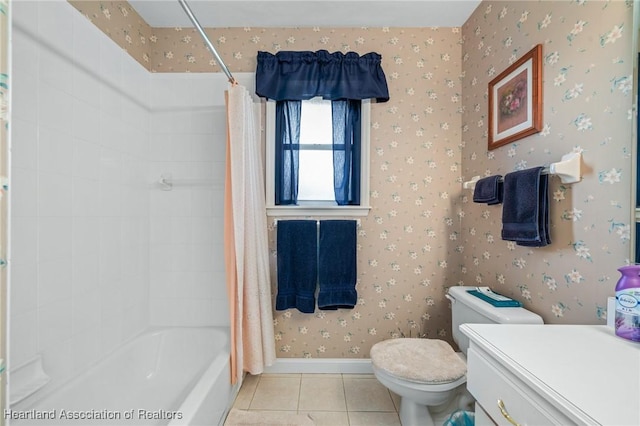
(628, 303)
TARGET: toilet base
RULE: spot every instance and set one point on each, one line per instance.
(413, 414)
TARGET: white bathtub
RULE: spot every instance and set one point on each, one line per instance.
(171, 376)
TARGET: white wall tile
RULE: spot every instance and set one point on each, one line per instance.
(110, 334)
(136, 82)
(110, 199)
(111, 57)
(89, 261)
(54, 281)
(24, 192)
(24, 144)
(24, 239)
(25, 106)
(181, 230)
(110, 245)
(54, 238)
(58, 360)
(54, 324)
(24, 288)
(161, 147)
(202, 202)
(56, 70)
(86, 44)
(220, 307)
(54, 195)
(86, 159)
(55, 150)
(203, 231)
(55, 108)
(110, 165)
(110, 301)
(85, 197)
(80, 174)
(85, 237)
(110, 104)
(86, 121)
(160, 230)
(210, 122)
(205, 285)
(24, 337)
(218, 207)
(86, 312)
(181, 312)
(170, 203)
(205, 147)
(86, 87)
(84, 273)
(55, 24)
(24, 15)
(25, 51)
(85, 348)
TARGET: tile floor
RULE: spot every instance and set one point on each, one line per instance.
(330, 399)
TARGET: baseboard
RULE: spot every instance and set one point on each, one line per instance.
(320, 365)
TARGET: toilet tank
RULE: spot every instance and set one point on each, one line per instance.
(466, 308)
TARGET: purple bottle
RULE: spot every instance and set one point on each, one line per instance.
(628, 303)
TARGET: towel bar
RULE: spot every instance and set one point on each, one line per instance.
(568, 169)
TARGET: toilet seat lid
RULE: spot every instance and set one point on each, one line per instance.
(418, 360)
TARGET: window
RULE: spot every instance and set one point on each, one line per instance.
(315, 157)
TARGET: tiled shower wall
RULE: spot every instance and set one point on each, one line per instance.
(188, 137)
(99, 251)
(79, 206)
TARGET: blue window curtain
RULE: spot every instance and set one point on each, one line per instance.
(346, 151)
(305, 75)
(288, 115)
(345, 79)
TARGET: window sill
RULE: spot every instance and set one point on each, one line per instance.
(318, 211)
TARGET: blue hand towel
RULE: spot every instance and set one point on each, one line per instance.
(525, 209)
(297, 249)
(337, 265)
(489, 190)
(543, 217)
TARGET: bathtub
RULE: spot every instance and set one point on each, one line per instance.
(171, 376)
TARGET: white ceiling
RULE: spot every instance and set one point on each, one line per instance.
(308, 13)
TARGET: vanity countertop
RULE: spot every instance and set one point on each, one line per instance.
(587, 371)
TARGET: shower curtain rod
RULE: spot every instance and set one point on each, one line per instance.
(193, 19)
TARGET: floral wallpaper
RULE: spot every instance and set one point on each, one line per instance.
(424, 233)
(587, 90)
(122, 24)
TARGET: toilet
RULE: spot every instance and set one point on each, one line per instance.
(428, 374)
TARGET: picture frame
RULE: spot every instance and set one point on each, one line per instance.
(515, 100)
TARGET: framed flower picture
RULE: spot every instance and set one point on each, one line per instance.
(515, 100)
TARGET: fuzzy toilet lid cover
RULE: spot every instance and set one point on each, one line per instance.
(420, 360)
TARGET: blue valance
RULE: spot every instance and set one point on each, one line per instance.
(289, 76)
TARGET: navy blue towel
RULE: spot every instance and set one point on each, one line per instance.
(297, 248)
(525, 213)
(543, 216)
(337, 264)
(488, 190)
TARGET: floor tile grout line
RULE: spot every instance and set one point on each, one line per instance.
(253, 394)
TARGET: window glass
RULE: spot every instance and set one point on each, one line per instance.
(315, 180)
(316, 195)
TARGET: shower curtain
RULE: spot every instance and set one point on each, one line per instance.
(246, 245)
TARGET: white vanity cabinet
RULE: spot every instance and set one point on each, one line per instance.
(552, 375)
